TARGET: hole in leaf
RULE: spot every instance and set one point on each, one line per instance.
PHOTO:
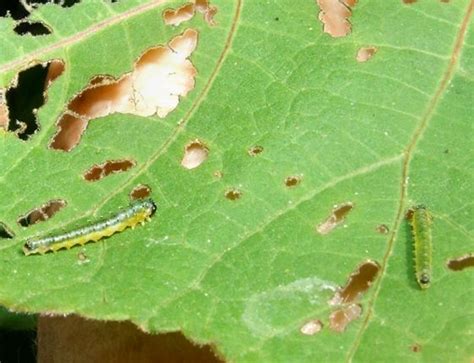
(19, 9)
(100, 171)
(233, 194)
(358, 283)
(337, 217)
(382, 229)
(339, 319)
(141, 191)
(55, 69)
(255, 150)
(71, 128)
(207, 10)
(5, 232)
(311, 327)
(176, 17)
(43, 213)
(218, 174)
(28, 93)
(292, 181)
(334, 15)
(195, 153)
(160, 76)
(13, 8)
(461, 263)
(187, 11)
(364, 54)
(32, 28)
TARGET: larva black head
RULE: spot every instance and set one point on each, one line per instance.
(424, 281)
(27, 249)
(153, 206)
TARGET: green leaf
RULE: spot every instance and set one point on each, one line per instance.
(247, 274)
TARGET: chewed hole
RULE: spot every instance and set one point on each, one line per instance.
(340, 319)
(311, 327)
(20, 9)
(382, 229)
(364, 54)
(195, 153)
(141, 191)
(358, 283)
(335, 14)
(186, 12)
(43, 213)
(133, 93)
(337, 217)
(206, 9)
(5, 232)
(100, 171)
(55, 69)
(233, 194)
(461, 263)
(292, 181)
(32, 28)
(218, 174)
(255, 150)
(176, 17)
(14, 9)
(26, 95)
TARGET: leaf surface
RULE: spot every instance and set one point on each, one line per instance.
(247, 273)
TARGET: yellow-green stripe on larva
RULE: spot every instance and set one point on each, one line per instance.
(138, 212)
(420, 221)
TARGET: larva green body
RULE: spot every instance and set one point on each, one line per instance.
(138, 212)
(421, 227)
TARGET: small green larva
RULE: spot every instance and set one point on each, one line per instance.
(420, 220)
(138, 212)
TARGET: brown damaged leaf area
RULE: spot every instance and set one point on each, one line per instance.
(186, 12)
(55, 69)
(358, 283)
(461, 263)
(292, 181)
(233, 194)
(100, 171)
(178, 16)
(364, 54)
(195, 153)
(160, 77)
(334, 15)
(340, 319)
(345, 299)
(337, 217)
(43, 213)
(207, 10)
(141, 191)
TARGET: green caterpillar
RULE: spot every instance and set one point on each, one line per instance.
(138, 212)
(420, 220)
